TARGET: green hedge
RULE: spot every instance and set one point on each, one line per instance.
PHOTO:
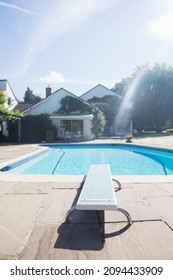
(33, 129)
(12, 127)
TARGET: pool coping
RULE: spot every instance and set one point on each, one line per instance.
(78, 178)
(42, 148)
(20, 159)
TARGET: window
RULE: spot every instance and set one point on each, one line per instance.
(72, 125)
(9, 101)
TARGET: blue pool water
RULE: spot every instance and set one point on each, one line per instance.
(76, 159)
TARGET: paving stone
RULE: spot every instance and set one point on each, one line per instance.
(67, 185)
(164, 207)
(17, 216)
(38, 187)
(31, 188)
(138, 208)
(167, 187)
(143, 241)
(58, 202)
(64, 242)
(13, 151)
(5, 186)
(154, 189)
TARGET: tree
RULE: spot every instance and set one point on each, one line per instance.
(152, 96)
(5, 113)
(29, 97)
(109, 105)
(98, 123)
(121, 88)
(153, 102)
(33, 128)
(71, 104)
(2, 109)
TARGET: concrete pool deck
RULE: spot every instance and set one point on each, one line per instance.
(33, 208)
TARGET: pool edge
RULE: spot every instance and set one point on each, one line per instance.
(78, 178)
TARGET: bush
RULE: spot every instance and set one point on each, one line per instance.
(33, 128)
(12, 127)
(98, 123)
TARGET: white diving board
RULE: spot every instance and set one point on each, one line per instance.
(98, 192)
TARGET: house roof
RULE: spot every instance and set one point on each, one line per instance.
(107, 91)
(50, 96)
(4, 89)
(21, 107)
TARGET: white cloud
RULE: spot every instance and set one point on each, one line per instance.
(161, 28)
(58, 78)
(14, 7)
(60, 17)
(53, 77)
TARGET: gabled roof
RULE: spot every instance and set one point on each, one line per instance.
(21, 107)
(107, 91)
(50, 96)
(5, 81)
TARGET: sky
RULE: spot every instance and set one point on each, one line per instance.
(77, 44)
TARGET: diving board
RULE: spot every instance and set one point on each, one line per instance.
(98, 192)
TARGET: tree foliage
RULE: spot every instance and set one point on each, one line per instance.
(98, 123)
(109, 105)
(29, 97)
(153, 102)
(71, 104)
(33, 128)
(2, 99)
(5, 113)
(153, 97)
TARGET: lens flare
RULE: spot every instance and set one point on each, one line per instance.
(123, 122)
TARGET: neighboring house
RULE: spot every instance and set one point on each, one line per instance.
(70, 125)
(98, 91)
(11, 100)
(125, 123)
(124, 126)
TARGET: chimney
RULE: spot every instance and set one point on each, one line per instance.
(48, 91)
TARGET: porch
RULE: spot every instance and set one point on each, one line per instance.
(73, 127)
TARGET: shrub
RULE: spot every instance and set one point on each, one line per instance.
(33, 128)
(12, 127)
(98, 123)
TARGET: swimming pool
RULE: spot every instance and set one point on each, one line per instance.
(75, 160)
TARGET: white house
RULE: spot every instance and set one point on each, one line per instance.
(11, 100)
(124, 126)
(75, 124)
(98, 91)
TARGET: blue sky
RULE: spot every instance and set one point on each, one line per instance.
(76, 44)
